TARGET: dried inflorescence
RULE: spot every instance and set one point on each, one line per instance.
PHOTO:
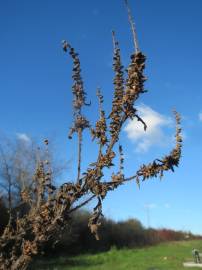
(100, 129)
(79, 100)
(121, 159)
(77, 88)
(117, 103)
(49, 207)
(80, 122)
(158, 166)
(134, 84)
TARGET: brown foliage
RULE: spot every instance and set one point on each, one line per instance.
(50, 207)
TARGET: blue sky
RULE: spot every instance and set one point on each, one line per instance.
(35, 91)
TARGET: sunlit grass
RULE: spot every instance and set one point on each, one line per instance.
(167, 256)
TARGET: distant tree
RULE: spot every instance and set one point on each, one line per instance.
(130, 234)
(4, 216)
(50, 207)
(17, 165)
(78, 239)
(18, 160)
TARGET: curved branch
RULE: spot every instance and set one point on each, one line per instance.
(158, 166)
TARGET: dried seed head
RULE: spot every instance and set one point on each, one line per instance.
(46, 141)
(117, 103)
(101, 126)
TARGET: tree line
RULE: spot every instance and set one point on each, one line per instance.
(122, 234)
(77, 238)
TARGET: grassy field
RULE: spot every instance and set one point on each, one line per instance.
(167, 256)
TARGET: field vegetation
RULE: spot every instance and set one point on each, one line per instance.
(165, 256)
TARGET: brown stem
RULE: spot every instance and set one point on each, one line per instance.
(79, 153)
(113, 40)
(114, 139)
(82, 204)
(132, 24)
(22, 263)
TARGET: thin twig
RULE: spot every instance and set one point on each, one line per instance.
(79, 154)
(113, 40)
(132, 24)
(82, 204)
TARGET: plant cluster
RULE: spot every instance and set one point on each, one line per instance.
(50, 207)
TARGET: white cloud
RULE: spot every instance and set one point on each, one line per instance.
(150, 205)
(200, 116)
(23, 137)
(154, 134)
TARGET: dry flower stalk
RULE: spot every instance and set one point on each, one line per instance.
(50, 207)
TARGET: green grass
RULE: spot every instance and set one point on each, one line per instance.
(167, 256)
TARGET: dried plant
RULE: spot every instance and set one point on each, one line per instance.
(50, 208)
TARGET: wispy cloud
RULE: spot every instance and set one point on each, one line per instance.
(167, 205)
(160, 206)
(200, 116)
(150, 205)
(154, 134)
(23, 137)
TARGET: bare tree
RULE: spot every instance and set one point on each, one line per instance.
(51, 207)
(18, 160)
(17, 165)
